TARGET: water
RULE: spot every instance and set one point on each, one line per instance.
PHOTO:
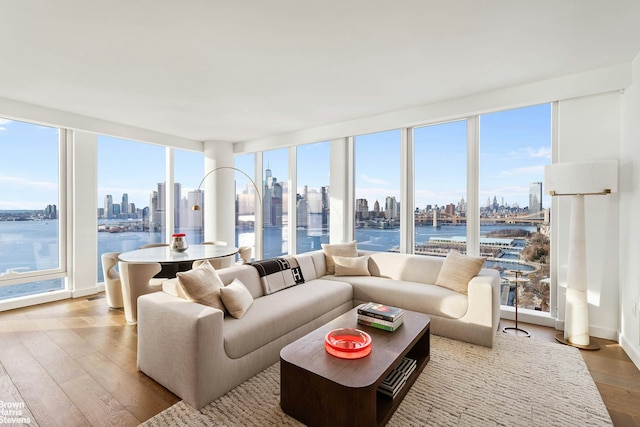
(33, 245)
(29, 246)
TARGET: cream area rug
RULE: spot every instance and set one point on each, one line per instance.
(518, 382)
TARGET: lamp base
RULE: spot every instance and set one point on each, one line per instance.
(516, 331)
(592, 345)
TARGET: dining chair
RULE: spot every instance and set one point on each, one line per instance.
(137, 280)
(112, 284)
(153, 245)
(244, 253)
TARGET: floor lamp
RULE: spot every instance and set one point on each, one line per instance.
(577, 180)
(196, 206)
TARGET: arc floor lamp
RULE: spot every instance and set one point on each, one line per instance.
(196, 207)
(577, 180)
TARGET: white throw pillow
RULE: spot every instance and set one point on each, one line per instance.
(352, 266)
(457, 270)
(338, 249)
(202, 284)
(236, 298)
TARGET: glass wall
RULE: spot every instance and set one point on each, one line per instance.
(31, 241)
(188, 171)
(131, 195)
(312, 198)
(377, 191)
(515, 145)
(246, 199)
(440, 185)
(275, 218)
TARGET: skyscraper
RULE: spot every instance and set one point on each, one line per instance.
(108, 206)
(535, 197)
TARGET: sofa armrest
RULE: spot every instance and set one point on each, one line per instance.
(179, 342)
(484, 299)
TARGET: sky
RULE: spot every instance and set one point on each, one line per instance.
(514, 147)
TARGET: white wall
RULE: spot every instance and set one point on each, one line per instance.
(629, 225)
(589, 129)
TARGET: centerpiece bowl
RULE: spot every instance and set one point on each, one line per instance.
(347, 343)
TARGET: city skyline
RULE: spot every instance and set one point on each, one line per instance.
(515, 146)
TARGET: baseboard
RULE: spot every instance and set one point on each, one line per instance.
(30, 300)
(79, 293)
(632, 352)
(594, 331)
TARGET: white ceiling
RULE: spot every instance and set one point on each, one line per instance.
(241, 70)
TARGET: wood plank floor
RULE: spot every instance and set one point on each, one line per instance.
(73, 363)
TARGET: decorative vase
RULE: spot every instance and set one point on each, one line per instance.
(179, 242)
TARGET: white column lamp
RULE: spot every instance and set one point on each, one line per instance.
(579, 179)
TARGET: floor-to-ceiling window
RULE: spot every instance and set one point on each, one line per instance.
(312, 198)
(275, 215)
(246, 199)
(440, 188)
(31, 212)
(131, 195)
(515, 145)
(188, 171)
(377, 191)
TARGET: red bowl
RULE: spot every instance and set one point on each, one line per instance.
(347, 343)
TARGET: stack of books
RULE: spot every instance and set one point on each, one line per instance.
(397, 378)
(380, 316)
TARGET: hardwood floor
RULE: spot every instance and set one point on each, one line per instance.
(73, 363)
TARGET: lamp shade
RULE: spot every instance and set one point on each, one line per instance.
(590, 177)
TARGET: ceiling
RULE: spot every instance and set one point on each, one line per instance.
(242, 70)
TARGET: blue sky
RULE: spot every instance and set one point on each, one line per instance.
(514, 147)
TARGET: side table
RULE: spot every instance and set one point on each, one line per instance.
(515, 330)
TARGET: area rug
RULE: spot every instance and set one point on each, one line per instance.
(519, 382)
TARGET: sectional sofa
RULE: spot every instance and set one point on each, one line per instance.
(200, 352)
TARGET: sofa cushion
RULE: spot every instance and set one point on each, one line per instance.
(236, 298)
(202, 284)
(339, 249)
(273, 316)
(457, 270)
(411, 268)
(351, 266)
(277, 274)
(421, 297)
(247, 274)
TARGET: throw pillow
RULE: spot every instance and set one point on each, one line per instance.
(202, 284)
(352, 266)
(236, 298)
(338, 249)
(457, 270)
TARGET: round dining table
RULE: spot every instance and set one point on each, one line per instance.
(173, 261)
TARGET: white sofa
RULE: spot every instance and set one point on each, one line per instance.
(199, 353)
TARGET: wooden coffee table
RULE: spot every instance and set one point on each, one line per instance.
(319, 389)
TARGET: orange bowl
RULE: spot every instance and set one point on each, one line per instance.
(347, 343)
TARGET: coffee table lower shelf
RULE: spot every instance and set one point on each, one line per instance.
(321, 390)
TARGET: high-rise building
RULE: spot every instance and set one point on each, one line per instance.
(535, 197)
(108, 206)
(391, 210)
(124, 206)
(362, 210)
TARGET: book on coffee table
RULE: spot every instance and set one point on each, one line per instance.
(379, 323)
(381, 311)
(398, 377)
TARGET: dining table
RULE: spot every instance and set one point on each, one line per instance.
(173, 261)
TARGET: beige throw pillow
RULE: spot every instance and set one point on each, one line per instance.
(202, 284)
(352, 266)
(236, 298)
(457, 270)
(338, 249)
